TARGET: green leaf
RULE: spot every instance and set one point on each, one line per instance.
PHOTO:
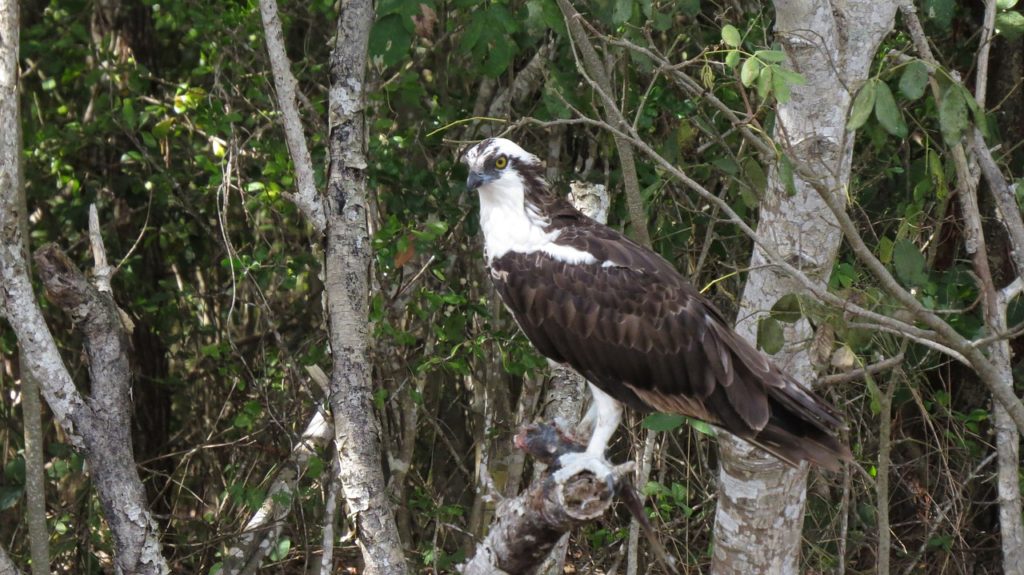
(732, 58)
(981, 120)
(749, 71)
(874, 393)
(909, 263)
(663, 421)
(474, 31)
(780, 86)
(731, 36)
(786, 175)
(940, 12)
(937, 174)
(914, 80)
(770, 56)
(754, 174)
(128, 114)
(501, 56)
(688, 7)
(888, 113)
(764, 82)
(315, 467)
(1010, 24)
(242, 421)
(1005, 4)
(885, 246)
(726, 164)
(10, 495)
(661, 21)
(769, 335)
(623, 11)
(701, 426)
(862, 105)
(953, 114)
(390, 39)
(163, 127)
(787, 308)
(280, 551)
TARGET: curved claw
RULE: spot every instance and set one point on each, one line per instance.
(573, 463)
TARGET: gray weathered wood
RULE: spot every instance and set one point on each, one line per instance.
(99, 425)
(761, 502)
(357, 434)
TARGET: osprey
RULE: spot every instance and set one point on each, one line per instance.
(627, 321)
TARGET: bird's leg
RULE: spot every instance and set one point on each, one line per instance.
(608, 413)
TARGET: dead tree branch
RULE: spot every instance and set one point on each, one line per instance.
(100, 425)
(106, 427)
(529, 526)
(262, 530)
(306, 198)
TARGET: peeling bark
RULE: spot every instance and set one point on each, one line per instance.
(761, 501)
(529, 526)
(356, 430)
(35, 478)
(107, 427)
(97, 425)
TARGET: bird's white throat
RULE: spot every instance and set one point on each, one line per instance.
(510, 224)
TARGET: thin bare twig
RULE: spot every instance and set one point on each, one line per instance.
(859, 373)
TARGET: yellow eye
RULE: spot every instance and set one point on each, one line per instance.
(501, 162)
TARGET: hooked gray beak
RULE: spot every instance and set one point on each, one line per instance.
(477, 179)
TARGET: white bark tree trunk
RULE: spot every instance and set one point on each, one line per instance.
(761, 502)
(346, 281)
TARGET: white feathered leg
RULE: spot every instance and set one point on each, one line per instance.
(607, 414)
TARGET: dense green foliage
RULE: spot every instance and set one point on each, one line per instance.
(165, 119)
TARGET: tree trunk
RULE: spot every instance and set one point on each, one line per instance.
(356, 430)
(35, 477)
(99, 424)
(761, 501)
(106, 424)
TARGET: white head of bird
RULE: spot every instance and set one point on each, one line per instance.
(504, 175)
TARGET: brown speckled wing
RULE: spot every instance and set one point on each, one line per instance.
(637, 330)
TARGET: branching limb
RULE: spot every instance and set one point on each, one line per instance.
(261, 532)
(854, 375)
(592, 67)
(695, 89)
(106, 427)
(307, 199)
(530, 525)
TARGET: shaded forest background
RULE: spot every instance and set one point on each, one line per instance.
(163, 115)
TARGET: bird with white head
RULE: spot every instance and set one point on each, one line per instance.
(625, 319)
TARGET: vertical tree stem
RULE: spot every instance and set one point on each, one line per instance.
(882, 478)
(346, 282)
(35, 479)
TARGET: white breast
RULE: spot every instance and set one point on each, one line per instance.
(511, 225)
